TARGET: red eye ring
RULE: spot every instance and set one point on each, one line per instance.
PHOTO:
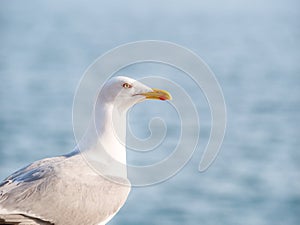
(126, 85)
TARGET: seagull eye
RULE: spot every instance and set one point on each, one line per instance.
(126, 85)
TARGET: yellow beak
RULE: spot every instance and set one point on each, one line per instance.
(157, 94)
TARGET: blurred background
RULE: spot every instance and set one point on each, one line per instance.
(253, 48)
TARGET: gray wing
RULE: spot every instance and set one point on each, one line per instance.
(61, 190)
(20, 173)
(24, 187)
(20, 220)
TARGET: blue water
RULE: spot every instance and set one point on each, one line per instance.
(253, 48)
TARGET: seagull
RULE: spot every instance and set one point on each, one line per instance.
(67, 190)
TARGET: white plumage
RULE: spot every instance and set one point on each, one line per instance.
(65, 190)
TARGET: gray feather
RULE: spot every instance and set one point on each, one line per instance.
(62, 190)
(20, 220)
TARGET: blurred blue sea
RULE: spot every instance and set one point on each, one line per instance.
(252, 46)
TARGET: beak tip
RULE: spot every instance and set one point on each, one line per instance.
(164, 98)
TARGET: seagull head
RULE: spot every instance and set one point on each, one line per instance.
(124, 92)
